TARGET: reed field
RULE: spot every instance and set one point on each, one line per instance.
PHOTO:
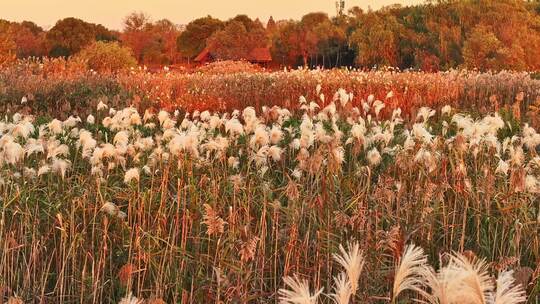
(318, 187)
(59, 88)
(270, 152)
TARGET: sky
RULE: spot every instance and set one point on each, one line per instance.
(111, 12)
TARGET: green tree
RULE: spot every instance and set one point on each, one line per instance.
(70, 35)
(104, 34)
(245, 20)
(307, 36)
(235, 41)
(286, 45)
(331, 39)
(193, 39)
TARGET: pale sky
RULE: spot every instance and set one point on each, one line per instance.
(111, 12)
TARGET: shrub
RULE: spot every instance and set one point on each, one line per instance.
(107, 57)
(228, 67)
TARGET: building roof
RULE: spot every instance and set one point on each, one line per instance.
(203, 54)
(260, 55)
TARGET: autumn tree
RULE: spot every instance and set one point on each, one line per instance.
(161, 47)
(434, 35)
(227, 43)
(299, 39)
(481, 49)
(135, 35)
(376, 40)
(307, 38)
(193, 39)
(245, 20)
(8, 47)
(70, 35)
(331, 39)
(29, 39)
(279, 48)
(271, 26)
(284, 45)
(151, 42)
(236, 41)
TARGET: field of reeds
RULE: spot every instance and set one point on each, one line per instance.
(335, 198)
(59, 88)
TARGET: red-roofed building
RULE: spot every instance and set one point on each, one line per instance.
(260, 55)
(204, 56)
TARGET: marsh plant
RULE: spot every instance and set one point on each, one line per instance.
(315, 205)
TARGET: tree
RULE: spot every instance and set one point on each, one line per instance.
(311, 20)
(245, 20)
(295, 40)
(340, 7)
(481, 49)
(235, 42)
(104, 34)
(107, 57)
(298, 39)
(28, 38)
(307, 37)
(135, 21)
(227, 43)
(70, 35)
(29, 43)
(280, 49)
(8, 48)
(134, 34)
(193, 39)
(151, 42)
(161, 47)
(283, 46)
(271, 26)
(34, 28)
(376, 40)
(331, 39)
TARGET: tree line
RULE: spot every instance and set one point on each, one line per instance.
(434, 35)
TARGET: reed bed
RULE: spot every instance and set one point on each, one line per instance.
(270, 204)
(58, 88)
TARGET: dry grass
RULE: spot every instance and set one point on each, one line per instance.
(57, 87)
(220, 208)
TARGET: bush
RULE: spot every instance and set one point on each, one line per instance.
(228, 67)
(107, 57)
